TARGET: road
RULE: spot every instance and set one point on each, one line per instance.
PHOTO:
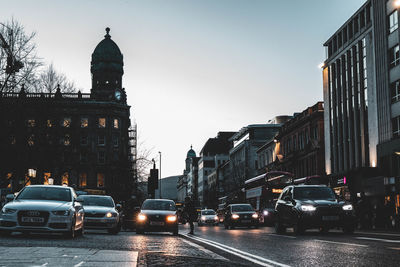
(264, 247)
(210, 246)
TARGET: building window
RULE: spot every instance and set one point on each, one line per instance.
(116, 124)
(83, 157)
(394, 56)
(65, 178)
(66, 122)
(100, 180)
(101, 140)
(393, 21)
(31, 123)
(31, 140)
(84, 122)
(13, 140)
(101, 157)
(84, 140)
(115, 141)
(83, 179)
(396, 126)
(102, 122)
(395, 91)
(116, 157)
(67, 140)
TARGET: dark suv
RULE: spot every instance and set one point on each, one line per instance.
(312, 206)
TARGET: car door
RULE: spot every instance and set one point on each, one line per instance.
(285, 205)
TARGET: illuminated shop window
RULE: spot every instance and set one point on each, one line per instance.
(116, 123)
(31, 140)
(31, 123)
(100, 180)
(46, 177)
(83, 179)
(102, 122)
(84, 122)
(65, 178)
(66, 122)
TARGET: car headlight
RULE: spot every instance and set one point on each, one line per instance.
(347, 207)
(142, 217)
(8, 210)
(171, 218)
(203, 218)
(61, 212)
(255, 215)
(308, 208)
(235, 216)
(216, 218)
(265, 212)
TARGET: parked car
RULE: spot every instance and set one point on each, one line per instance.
(101, 213)
(207, 216)
(240, 215)
(43, 208)
(312, 206)
(157, 215)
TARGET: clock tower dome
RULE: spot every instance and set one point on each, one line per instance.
(107, 68)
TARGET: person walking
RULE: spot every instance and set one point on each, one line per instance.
(190, 211)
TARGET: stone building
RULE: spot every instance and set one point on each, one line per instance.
(78, 139)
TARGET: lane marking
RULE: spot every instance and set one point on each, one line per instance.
(372, 233)
(340, 243)
(206, 251)
(79, 264)
(379, 239)
(250, 257)
(286, 236)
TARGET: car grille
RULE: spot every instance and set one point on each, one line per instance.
(97, 224)
(58, 225)
(94, 215)
(329, 210)
(156, 218)
(7, 223)
(31, 213)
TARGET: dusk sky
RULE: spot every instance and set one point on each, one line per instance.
(193, 68)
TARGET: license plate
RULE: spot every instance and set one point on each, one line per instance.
(157, 223)
(330, 218)
(246, 221)
(32, 219)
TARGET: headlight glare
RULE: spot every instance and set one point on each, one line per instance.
(265, 212)
(171, 218)
(203, 218)
(308, 208)
(142, 217)
(216, 218)
(255, 215)
(109, 215)
(235, 216)
(347, 207)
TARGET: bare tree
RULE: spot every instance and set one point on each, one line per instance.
(23, 48)
(49, 79)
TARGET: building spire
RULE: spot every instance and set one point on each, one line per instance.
(108, 36)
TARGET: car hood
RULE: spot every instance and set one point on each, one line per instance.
(98, 209)
(158, 212)
(47, 205)
(322, 203)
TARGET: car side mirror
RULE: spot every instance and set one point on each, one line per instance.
(118, 207)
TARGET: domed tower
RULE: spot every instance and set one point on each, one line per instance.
(190, 154)
(107, 68)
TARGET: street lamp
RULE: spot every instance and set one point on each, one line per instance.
(160, 173)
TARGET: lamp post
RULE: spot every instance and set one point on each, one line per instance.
(159, 152)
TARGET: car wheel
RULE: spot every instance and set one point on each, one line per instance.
(176, 231)
(279, 228)
(71, 233)
(324, 230)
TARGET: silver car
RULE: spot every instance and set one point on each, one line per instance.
(43, 208)
(101, 213)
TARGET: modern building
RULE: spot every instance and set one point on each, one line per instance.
(214, 152)
(361, 81)
(300, 144)
(168, 188)
(77, 139)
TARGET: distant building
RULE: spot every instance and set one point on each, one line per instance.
(168, 188)
(75, 139)
(182, 184)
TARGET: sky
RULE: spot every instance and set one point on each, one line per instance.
(193, 67)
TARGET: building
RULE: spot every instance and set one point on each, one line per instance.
(168, 188)
(214, 152)
(192, 178)
(182, 183)
(75, 139)
(361, 81)
(300, 144)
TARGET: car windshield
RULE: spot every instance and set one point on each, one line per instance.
(45, 193)
(314, 193)
(208, 212)
(97, 201)
(158, 205)
(238, 208)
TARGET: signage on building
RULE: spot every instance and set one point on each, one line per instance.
(342, 181)
(276, 191)
(254, 192)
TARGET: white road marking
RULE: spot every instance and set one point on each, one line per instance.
(242, 254)
(79, 264)
(45, 264)
(206, 251)
(286, 236)
(341, 243)
(372, 233)
(379, 239)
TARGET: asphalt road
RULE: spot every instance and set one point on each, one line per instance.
(335, 248)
